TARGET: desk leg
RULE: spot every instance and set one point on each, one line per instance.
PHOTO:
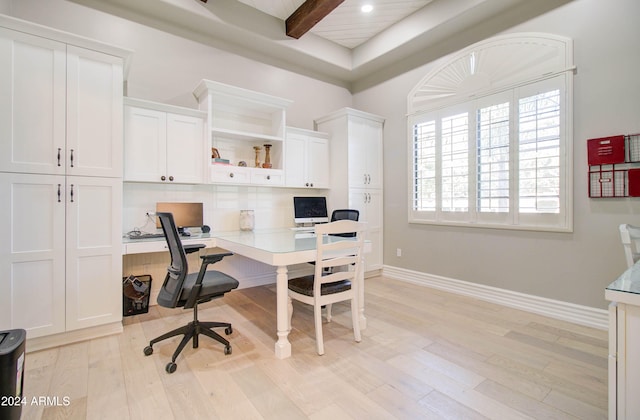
(363, 319)
(283, 346)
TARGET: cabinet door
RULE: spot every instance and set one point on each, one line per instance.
(94, 113)
(145, 142)
(365, 153)
(32, 104)
(295, 160)
(32, 288)
(369, 203)
(94, 251)
(318, 162)
(185, 149)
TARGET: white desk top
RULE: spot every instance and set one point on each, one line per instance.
(626, 288)
(277, 246)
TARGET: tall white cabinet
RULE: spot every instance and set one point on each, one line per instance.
(356, 171)
(61, 176)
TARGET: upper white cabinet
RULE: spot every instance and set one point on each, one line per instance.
(306, 158)
(356, 171)
(60, 107)
(365, 142)
(244, 126)
(163, 143)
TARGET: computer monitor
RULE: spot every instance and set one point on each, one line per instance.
(310, 210)
(185, 215)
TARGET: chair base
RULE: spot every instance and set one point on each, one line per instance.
(192, 331)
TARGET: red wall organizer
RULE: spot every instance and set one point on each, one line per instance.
(613, 166)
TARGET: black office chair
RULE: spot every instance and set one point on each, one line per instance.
(181, 289)
(345, 214)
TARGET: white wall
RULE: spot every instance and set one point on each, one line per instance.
(573, 267)
(166, 68)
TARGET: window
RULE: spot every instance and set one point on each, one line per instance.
(492, 156)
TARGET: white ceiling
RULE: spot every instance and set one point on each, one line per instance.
(345, 48)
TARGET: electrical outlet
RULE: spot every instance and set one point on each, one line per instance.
(398, 252)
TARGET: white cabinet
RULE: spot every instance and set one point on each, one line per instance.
(306, 158)
(61, 252)
(239, 121)
(369, 203)
(61, 107)
(94, 251)
(365, 142)
(356, 157)
(61, 176)
(163, 143)
(624, 345)
(32, 253)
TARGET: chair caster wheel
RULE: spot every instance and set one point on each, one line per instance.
(227, 350)
(171, 367)
(228, 330)
(148, 351)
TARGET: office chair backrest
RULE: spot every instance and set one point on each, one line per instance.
(177, 271)
(345, 214)
(630, 237)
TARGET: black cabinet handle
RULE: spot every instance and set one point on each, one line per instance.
(231, 175)
(163, 178)
(72, 158)
(171, 178)
(59, 192)
(71, 193)
(59, 151)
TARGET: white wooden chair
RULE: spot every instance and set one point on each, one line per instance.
(630, 236)
(338, 265)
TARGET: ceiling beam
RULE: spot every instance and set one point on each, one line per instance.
(307, 15)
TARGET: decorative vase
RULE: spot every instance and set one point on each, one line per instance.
(257, 149)
(247, 219)
(267, 156)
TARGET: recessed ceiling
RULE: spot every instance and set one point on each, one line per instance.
(347, 24)
(345, 48)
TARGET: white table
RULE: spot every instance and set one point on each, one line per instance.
(278, 247)
(624, 344)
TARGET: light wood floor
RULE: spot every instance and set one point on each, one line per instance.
(425, 354)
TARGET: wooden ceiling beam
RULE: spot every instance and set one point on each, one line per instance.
(307, 15)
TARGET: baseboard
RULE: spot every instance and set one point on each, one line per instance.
(566, 311)
(56, 340)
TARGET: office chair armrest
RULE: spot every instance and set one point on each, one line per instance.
(189, 248)
(195, 290)
(214, 258)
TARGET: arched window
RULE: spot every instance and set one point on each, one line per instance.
(490, 136)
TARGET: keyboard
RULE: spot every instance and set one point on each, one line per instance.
(303, 229)
(146, 235)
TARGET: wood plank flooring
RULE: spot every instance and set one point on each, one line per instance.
(426, 354)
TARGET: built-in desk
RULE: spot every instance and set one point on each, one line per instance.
(276, 247)
(624, 344)
(142, 246)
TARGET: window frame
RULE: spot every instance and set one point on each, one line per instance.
(514, 219)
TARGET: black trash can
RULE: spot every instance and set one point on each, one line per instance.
(12, 343)
(135, 294)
